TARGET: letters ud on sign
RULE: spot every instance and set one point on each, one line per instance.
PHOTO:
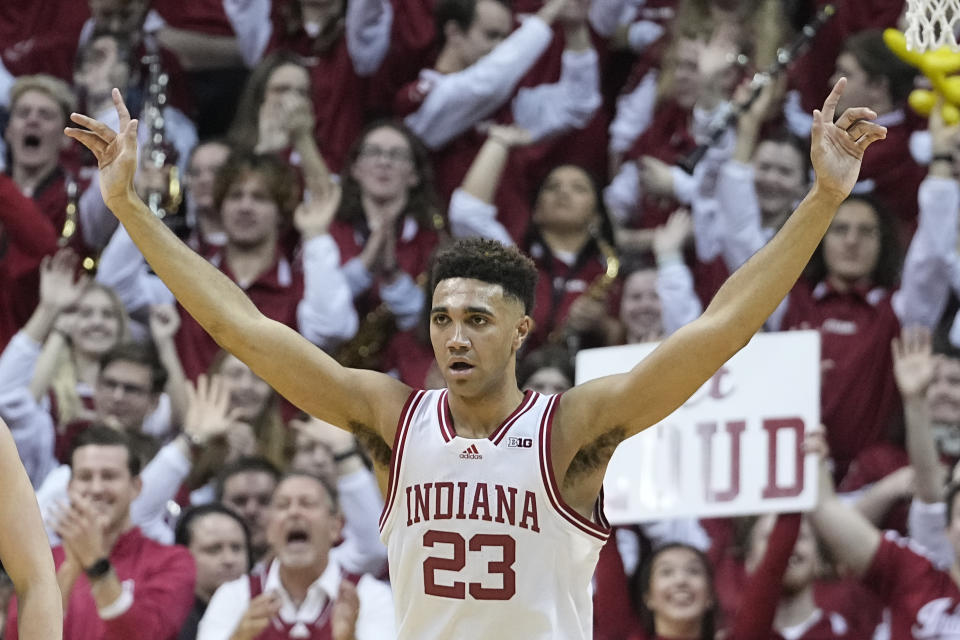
(734, 448)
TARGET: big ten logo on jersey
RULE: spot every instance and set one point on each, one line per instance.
(519, 443)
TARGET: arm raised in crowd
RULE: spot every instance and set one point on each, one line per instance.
(368, 25)
(464, 98)
(472, 212)
(24, 550)
(850, 537)
(359, 400)
(629, 403)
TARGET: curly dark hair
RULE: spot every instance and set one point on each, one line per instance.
(491, 262)
(421, 198)
(280, 179)
(886, 272)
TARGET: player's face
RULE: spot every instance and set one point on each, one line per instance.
(385, 168)
(679, 592)
(249, 394)
(204, 163)
(123, 395)
(248, 493)
(219, 549)
(943, 395)
(548, 381)
(640, 309)
(778, 178)
(567, 201)
(100, 476)
(250, 214)
(491, 24)
(97, 327)
(35, 131)
(302, 525)
(475, 331)
(803, 564)
(851, 246)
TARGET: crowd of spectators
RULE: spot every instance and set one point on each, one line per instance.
(318, 152)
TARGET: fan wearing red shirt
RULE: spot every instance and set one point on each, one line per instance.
(847, 296)
(923, 600)
(116, 583)
(39, 108)
(26, 235)
(878, 78)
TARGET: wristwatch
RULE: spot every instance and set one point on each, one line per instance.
(98, 569)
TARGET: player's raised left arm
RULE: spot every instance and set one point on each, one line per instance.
(667, 377)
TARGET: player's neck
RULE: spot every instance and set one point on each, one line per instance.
(478, 417)
(955, 572)
(794, 608)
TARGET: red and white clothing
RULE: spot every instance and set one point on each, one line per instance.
(157, 580)
(28, 236)
(859, 394)
(41, 37)
(313, 299)
(480, 541)
(339, 72)
(402, 296)
(924, 601)
(312, 619)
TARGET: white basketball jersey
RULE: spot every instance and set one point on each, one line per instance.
(481, 545)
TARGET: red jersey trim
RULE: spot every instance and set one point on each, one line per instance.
(600, 531)
(529, 399)
(446, 417)
(396, 456)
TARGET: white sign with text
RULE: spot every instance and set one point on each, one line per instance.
(734, 448)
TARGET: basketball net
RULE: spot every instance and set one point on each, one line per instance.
(932, 24)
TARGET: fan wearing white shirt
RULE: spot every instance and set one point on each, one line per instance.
(301, 593)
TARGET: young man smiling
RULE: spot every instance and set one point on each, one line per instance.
(530, 497)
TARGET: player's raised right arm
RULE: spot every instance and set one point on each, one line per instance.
(300, 371)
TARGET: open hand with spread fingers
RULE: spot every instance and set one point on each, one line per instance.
(836, 148)
(115, 151)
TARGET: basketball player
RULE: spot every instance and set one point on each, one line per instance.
(24, 550)
(493, 520)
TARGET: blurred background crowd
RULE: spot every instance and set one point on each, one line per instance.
(318, 152)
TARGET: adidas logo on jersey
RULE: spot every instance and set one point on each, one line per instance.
(471, 453)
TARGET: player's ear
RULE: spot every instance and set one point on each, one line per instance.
(524, 328)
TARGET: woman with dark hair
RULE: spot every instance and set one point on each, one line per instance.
(339, 46)
(674, 595)
(387, 225)
(569, 237)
